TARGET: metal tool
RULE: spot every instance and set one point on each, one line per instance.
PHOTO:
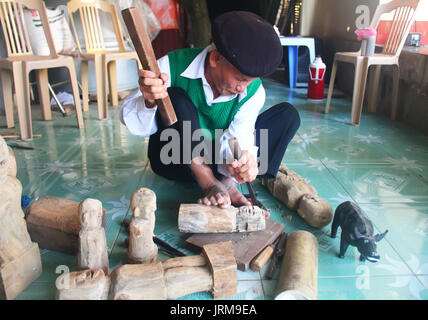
(168, 248)
(279, 251)
(19, 146)
(234, 146)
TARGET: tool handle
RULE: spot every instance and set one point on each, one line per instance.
(279, 251)
(143, 47)
(235, 147)
(259, 262)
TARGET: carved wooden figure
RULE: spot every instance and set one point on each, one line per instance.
(141, 247)
(83, 285)
(214, 270)
(316, 211)
(92, 248)
(288, 187)
(200, 218)
(20, 262)
(300, 196)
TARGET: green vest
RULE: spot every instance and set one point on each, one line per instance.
(216, 116)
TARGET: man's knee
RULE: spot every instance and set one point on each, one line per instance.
(287, 114)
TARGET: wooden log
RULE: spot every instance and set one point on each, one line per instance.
(299, 271)
(259, 262)
(143, 47)
(138, 282)
(181, 281)
(192, 261)
(92, 245)
(214, 270)
(20, 262)
(141, 248)
(221, 259)
(200, 218)
(54, 223)
(83, 285)
(316, 211)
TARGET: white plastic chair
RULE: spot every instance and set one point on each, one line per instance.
(404, 16)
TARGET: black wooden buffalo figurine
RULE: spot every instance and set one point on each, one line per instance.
(357, 230)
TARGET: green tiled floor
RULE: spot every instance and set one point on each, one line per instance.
(381, 165)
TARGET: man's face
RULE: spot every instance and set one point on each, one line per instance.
(226, 79)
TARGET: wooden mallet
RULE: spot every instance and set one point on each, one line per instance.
(143, 46)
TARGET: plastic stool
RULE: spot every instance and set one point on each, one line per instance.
(293, 44)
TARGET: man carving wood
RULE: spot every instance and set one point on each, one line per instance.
(211, 89)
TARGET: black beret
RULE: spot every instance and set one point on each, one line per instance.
(248, 42)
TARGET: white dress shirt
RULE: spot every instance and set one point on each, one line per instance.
(140, 120)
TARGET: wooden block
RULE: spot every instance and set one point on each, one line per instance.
(246, 245)
(83, 285)
(143, 46)
(222, 261)
(16, 275)
(54, 223)
(200, 218)
(138, 282)
(181, 281)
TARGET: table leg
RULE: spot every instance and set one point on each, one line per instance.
(293, 63)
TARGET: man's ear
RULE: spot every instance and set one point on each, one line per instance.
(214, 58)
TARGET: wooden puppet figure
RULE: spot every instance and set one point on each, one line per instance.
(141, 248)
(92, 249)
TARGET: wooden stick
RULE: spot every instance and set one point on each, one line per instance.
(143, 47)
(259, 262)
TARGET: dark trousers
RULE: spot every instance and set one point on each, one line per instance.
(281, 122)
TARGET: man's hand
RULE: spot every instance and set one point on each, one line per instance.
(245, 169)
(152, 87)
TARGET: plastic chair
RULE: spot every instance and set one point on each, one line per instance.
(404, 16)
(104, 60)
(20, 61)
(293, 44)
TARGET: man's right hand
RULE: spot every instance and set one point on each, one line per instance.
(152, 87)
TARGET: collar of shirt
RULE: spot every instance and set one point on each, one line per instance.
(196, 70)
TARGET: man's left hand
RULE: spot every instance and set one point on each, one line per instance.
(245, 169)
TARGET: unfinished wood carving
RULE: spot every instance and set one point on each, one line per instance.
(288, 187)
(141, 247)
(316, 211)
(214, 271)
(199, 218)
(298, 195)
(83, 285)
(20, 262)
(92, 249)
(54, 223)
